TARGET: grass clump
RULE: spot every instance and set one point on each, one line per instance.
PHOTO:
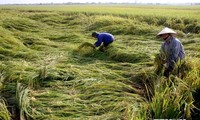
(23, 101)
(167, 98)
(4, 113)
(86, 44)
(172, 101)
(192, 76)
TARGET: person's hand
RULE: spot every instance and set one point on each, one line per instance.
(93, 46)
(163, 61)
(102, 49)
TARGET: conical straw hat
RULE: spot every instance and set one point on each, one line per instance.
(165, 31)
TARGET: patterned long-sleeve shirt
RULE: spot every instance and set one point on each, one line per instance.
(173, 51)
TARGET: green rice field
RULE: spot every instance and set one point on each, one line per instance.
(45, 76)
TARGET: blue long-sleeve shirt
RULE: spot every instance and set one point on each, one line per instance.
(105, 38)
(173, 51)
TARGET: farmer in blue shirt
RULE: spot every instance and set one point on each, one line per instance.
(105, 38)
(171, 49)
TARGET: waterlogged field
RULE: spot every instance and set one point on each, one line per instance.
(44, 76)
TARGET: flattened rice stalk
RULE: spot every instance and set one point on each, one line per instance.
(86, 44)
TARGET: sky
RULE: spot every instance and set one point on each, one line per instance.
(102, 1)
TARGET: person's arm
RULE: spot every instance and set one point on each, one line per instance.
(174, 53)
(162, 55)
(98, 42)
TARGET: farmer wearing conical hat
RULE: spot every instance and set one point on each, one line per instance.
(105, 38)
(171, 48)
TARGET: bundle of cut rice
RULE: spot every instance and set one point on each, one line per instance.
(86, 44)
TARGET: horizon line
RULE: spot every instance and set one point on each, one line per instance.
(51, 3)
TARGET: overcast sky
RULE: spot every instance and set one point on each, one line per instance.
(102, 1)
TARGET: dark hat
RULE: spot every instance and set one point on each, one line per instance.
(94, 34)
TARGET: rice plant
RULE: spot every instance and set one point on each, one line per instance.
(23, 101)
(36, 79)
(168, 98)
(85, 44)
(43, 73)
(192, 73)
(158, 64)
(171, 100)
(34, 82)
(4, 113)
